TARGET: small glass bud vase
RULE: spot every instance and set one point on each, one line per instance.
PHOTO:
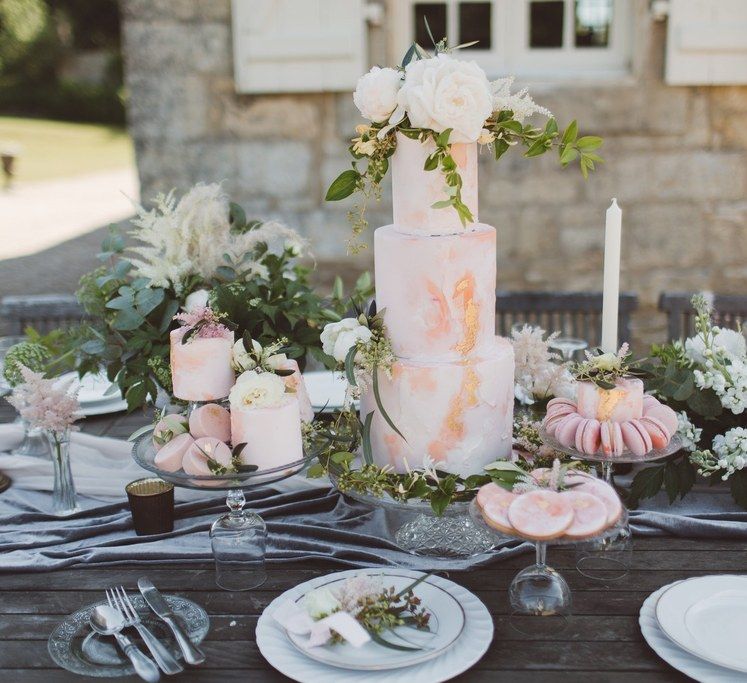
(64, 497)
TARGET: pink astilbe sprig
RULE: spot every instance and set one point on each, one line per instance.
(45, 403)
(205, 319)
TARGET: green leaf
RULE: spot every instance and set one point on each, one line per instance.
(687, 476)
(338, 290)
(380, 405)
(672, 481)
(366, 439)
(428, 31)
(146, 300)
(127, 320)
(738, 487)
(685, 389)
(350, 365)
(536, 149)
(588, 143)
(443, 138)
(440, 501)
(343, 186)
(706, 403)
(315, 471)
(570, 133)
(512, 124)
(551, 127)
(136, 395)
(392, 646)
(646, 484)
(412, 53)
(237, 216)
(568, 155)
(341, 457)
(431, 163)
(443, 204)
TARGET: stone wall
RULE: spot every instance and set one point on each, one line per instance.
(676, 160)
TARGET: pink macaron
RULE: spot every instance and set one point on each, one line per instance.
(636, 437)
(170, 456)
(665, 414)
(657, 430)
(589, 437)
(210, 419)
(565, 432)
(611, 438)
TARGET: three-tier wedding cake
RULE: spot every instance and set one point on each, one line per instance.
(451, 389)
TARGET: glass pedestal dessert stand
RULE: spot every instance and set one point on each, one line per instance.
(420, 531)
(609, 558)
(238, 538)
(539, 590)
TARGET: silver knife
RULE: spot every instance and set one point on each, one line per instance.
(151, 595)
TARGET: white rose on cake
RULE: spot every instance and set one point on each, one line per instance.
(258, 390)
(243, 360)
(376, 93)
(197, 299)
(338, 338)
(443, 92)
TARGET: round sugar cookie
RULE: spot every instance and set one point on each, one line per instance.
(495, 512)
(589, 514)
(578, 481)
(169, 457)
(487, 493)
(210, 419)
(541, 515)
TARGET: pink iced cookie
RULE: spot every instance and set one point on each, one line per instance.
(657, 430)
(665, 414)
(169, 457)
(196, 458)
(635, 437)
(167, 428)
(495, 512)
(211, 420)
(589, 437)
(541, 515)
(487, 492)
(589, 514)
(602, 490)
(612, 439)
(565, 432)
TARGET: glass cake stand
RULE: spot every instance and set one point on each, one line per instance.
(609, 558)
(451, 535)
(540, 590)
(238, 538)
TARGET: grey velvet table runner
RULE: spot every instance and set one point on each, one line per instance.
(302, 525)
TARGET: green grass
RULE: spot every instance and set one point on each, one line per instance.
(57, 149)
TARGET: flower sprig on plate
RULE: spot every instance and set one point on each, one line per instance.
(439, 98)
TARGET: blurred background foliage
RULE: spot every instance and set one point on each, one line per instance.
(61, 59)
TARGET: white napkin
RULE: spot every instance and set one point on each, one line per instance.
(296, 620)
(101, 466)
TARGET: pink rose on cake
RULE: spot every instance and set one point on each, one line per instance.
(376, 93)
(338, 338)
(443, 92)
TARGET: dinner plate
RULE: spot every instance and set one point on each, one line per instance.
(326, 389)
(706, 616)
(671, 653)
(445, 626)
(93, 388)
(278, 650)
(73, 646)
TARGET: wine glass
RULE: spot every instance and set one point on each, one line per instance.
(568, 346)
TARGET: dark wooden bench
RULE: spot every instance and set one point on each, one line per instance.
(730, 310)
(575, 314)
(43, 312)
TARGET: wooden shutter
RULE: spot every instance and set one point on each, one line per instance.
(707, 42)
(298, 45)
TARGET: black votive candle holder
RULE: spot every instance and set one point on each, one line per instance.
(152, 505)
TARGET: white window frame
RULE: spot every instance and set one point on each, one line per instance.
(511, 54)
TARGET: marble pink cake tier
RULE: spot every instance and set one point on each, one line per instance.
(272, 435)
(437, 292)
(623, 403)
(414, 190)
(296, 384)
(459, 413)
(201, 369)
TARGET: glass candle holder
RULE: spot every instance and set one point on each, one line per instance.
(152, 505)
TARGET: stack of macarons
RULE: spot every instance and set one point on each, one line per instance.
(194, 445)
(584, 509)
(652, 429)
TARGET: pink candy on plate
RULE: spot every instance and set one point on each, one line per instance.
(211, 419)
(196, 458)
(170, 456)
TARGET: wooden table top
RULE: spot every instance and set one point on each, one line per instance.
(602, 641)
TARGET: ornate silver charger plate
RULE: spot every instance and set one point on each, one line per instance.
(421, 532)
(73, 646)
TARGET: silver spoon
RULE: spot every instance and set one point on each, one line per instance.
(109, 622)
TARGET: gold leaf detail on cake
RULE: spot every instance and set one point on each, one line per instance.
(608, 400)
(466, 289)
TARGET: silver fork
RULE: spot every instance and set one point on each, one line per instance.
(120, 601)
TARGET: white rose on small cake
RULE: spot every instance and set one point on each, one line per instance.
(266, 417)
(338, 338)
(376, 93)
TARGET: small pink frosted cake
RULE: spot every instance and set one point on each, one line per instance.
(458, 414)
(201, 354)
(415, 191)
(623, 403)
(437, 293)
(294, 383)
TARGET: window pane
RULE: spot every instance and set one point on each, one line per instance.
(474, 24)
(593, 19)
(435, 13)
(546, 23)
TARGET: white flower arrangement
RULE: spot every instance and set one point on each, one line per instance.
(728, 455)
(539, 373)
(258, 390)
(437, 97)
(338, 338)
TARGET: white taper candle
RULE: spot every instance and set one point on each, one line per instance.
(611, 291)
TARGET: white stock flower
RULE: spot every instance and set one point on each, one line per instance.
(320, 602)
(197, 299)
(257, 390)
(355, 590)
(688, 432)
(520, 103)
(376, 93)
(338, 338)
(443, 92)
(606, 361)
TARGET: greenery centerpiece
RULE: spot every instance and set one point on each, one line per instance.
(191, 252)
(432, 96)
